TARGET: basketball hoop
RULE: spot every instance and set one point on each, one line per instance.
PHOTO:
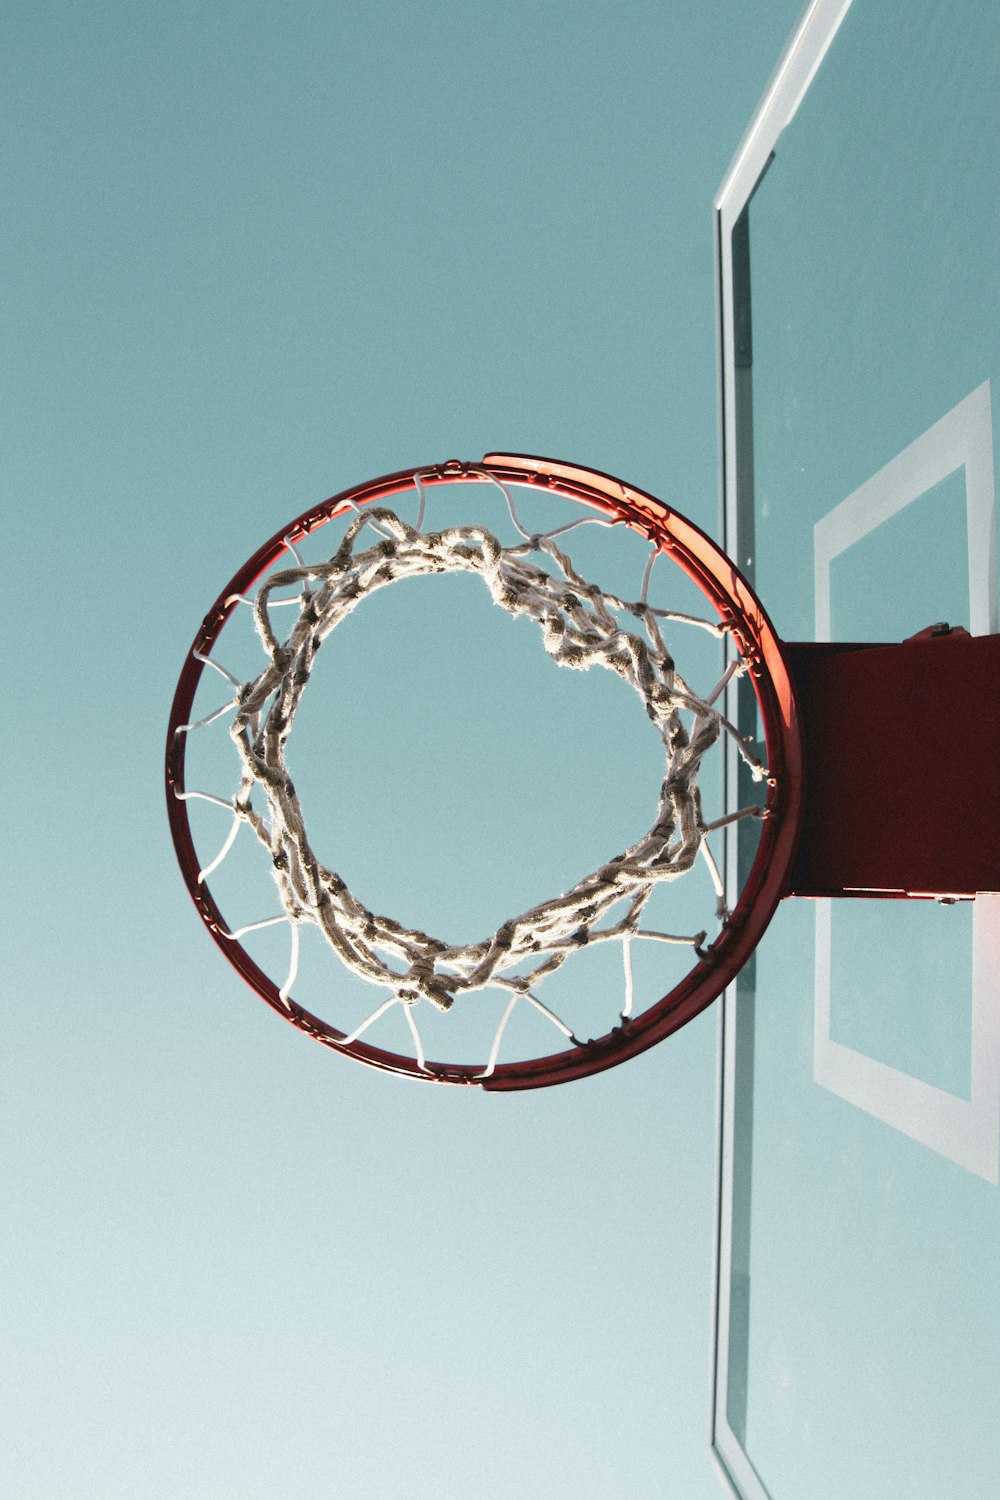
(581, 625)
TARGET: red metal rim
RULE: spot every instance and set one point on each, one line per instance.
(730, 595)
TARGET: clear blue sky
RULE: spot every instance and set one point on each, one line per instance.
(253, 254)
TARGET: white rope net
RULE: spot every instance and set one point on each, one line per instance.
(581, 627)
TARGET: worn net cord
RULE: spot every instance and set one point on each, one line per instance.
(579, 630)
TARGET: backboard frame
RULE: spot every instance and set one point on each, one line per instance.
(804, 53)
(958, 1129)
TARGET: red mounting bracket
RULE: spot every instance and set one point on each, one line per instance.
(901, 766)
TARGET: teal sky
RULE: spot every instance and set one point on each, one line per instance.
(253, 254)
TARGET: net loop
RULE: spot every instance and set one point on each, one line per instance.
(579, 629)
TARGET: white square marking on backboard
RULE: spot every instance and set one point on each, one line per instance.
(965, 1131)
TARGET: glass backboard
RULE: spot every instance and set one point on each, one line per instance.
(858, 1327)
